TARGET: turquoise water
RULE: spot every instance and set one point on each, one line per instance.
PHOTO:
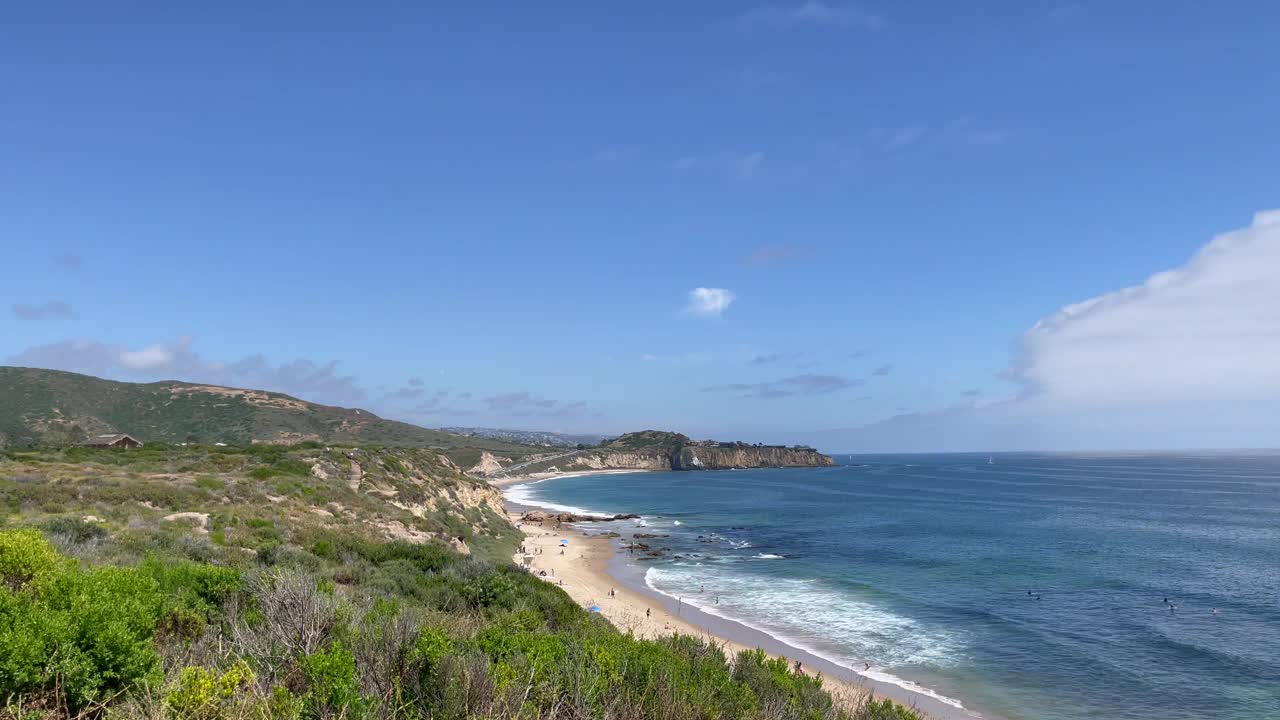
(921, 566)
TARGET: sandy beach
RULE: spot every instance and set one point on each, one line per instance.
(503, 482)
(582, 569)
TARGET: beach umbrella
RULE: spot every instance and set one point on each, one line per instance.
(564, 542)
(594, 608)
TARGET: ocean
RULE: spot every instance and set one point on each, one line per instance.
(1018, 586)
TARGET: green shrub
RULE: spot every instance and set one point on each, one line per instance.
(210, 483)
(886, 709)
(333, 688)
(202, 694)
(490, 590)
(75, 529)
(80, 635)
(25, 556)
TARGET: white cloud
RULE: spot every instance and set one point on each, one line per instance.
(709, 302)
(811, 13)
(1209, 330)
(148, 358)
(1187, 359)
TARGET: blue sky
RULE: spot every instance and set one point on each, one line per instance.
(495, 214)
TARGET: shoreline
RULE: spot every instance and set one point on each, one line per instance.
(593, 564)
(506, 482)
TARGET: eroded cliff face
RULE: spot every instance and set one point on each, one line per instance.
(692, 457)
(620, 461)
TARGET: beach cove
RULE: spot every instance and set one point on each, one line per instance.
(1028, 588)
(593, 565)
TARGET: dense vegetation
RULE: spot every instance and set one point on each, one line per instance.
(113, 606)
(52, 407)
(658, 441)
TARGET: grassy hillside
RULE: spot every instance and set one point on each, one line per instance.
(261, 499)
(266, 583)
(54, 407)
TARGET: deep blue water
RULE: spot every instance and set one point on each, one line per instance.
(921, 565)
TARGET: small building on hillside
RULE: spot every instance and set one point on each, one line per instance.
(115, 440)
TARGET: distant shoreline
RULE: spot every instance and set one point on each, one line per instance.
(505, 482)
(593, 564)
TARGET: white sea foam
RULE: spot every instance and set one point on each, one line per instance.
(676, 522)
(524, 494)
(769, 556)
(801, 613)
(739, 544)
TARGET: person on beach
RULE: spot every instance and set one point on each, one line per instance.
(799, 668)
(648, 612)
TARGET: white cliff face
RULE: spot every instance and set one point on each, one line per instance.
(489, 464)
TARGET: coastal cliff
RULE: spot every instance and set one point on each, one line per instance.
(693, 457)
(657, 450)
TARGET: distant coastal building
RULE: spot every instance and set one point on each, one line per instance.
(115, 440)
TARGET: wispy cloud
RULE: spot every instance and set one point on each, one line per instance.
(709, 302)
(1069, 12)
(52, 310)
(882, 370)
(993, 136)
(524, 404)
(811, 13)
(769, 358)
(776, 255)
(439, 403)
(806, 384)
(611, 155)
(973, 392)
(736, 165)
(904, 136)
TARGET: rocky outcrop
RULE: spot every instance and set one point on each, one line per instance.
(655, 450)
(726, 457)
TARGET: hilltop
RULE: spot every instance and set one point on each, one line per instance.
(62, 408)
